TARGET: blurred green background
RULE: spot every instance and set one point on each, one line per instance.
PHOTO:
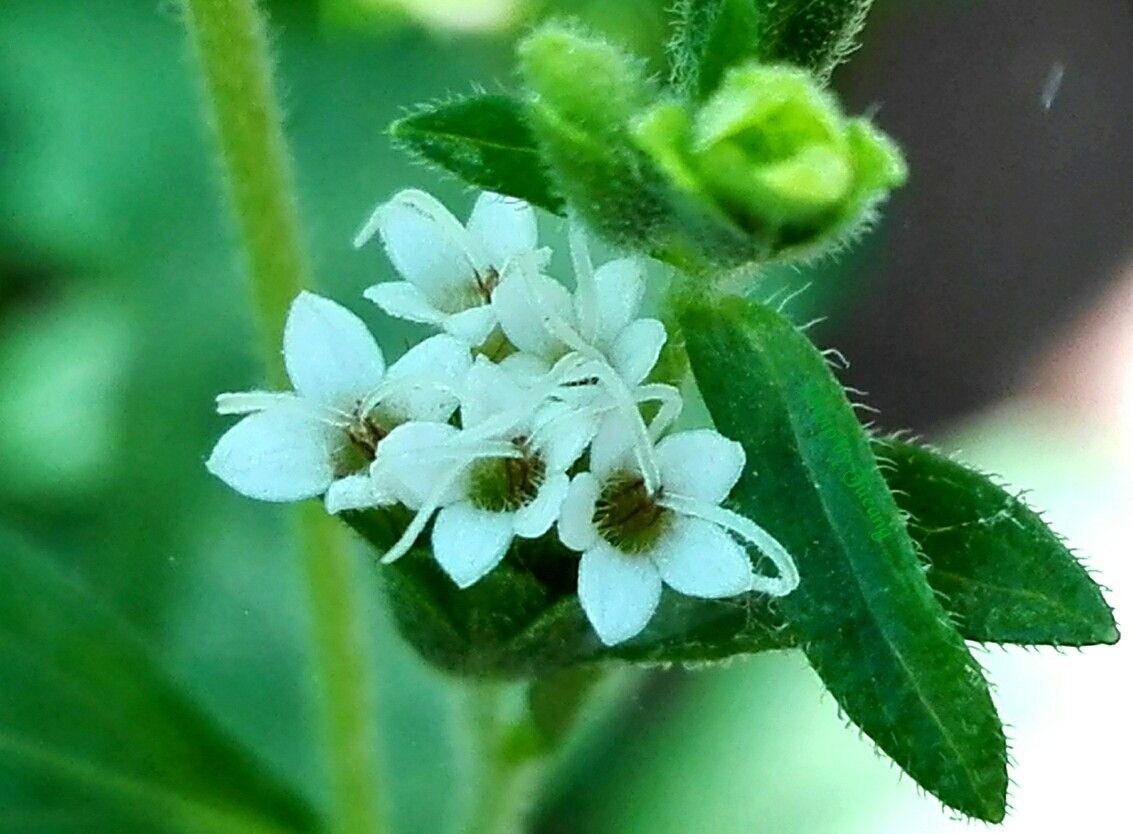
(129, 579)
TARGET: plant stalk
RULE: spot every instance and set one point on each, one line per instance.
(230, 39)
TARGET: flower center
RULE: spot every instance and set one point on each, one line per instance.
(487, 283)
(628, 517)
(365, 433)
(506, 484)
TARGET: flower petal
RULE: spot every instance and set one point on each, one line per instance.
(619, 287)
(469, 542)
(531, 307)
(576, 515)
(700, 464)
(423, 382)
(415, 459)
(283, 454)
(249, 402)
(562, 433)
(636, 349)
(697, 558)
(504, 226)
(331, 357)
(536, 518)
(403, 300)
(612, 449)
(427, 246)
(473, 325)
(619, 593)
(490, 390)
(355, 492)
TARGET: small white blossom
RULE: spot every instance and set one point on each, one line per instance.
(632, 541)
(450, 271)
(320, 438)
(503, 475)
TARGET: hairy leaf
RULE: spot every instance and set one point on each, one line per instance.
(1004, 575)
(712, 35)
(93, 732)
(864, 613)
(485, 140)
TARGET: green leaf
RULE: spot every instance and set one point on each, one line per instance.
(89, 719)
(1003, 574)
(486, 140)
(712, 35)
(708, 37)
(864, 613)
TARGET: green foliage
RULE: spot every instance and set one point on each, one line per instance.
(864, 613)
(1002, 573)
(712, 35)
(487, 141)
(88, 715)
(584, 93)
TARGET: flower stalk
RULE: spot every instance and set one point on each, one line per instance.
(230, 40)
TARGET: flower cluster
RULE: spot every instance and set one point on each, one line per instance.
(523, 414)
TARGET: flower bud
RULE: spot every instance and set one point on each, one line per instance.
(771, 153)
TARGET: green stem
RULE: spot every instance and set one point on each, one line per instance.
(506, 766)
(231, 44)
(230, 39)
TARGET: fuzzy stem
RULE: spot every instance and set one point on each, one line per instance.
(503, 779)
(230, 40)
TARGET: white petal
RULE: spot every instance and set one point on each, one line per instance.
(531, 308)
(576, 515)
(277, 455)
(504, 226)
(355, 492)
(700, 464)
(619, 593)
(536, 518)
(422, 383)
(249, 402)
(413, 460)
(489, 390)
(473, 325)
(525, 368)
(697, 558)
(620, 287)
(562, 433)
(427, 246)
(636, 349)
(469, 542)
(403, 300)
(331, 357)
(612, 449)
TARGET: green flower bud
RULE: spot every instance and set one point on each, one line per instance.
(771, 154)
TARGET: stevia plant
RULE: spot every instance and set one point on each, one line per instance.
(537, 510)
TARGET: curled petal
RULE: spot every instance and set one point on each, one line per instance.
(331, 357)
(473, 325)
(417, 458)
(356, 492)
(532, 309)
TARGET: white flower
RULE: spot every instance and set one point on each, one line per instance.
(321, 437)
(632, 541)
(503, 475)
(450, 272)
